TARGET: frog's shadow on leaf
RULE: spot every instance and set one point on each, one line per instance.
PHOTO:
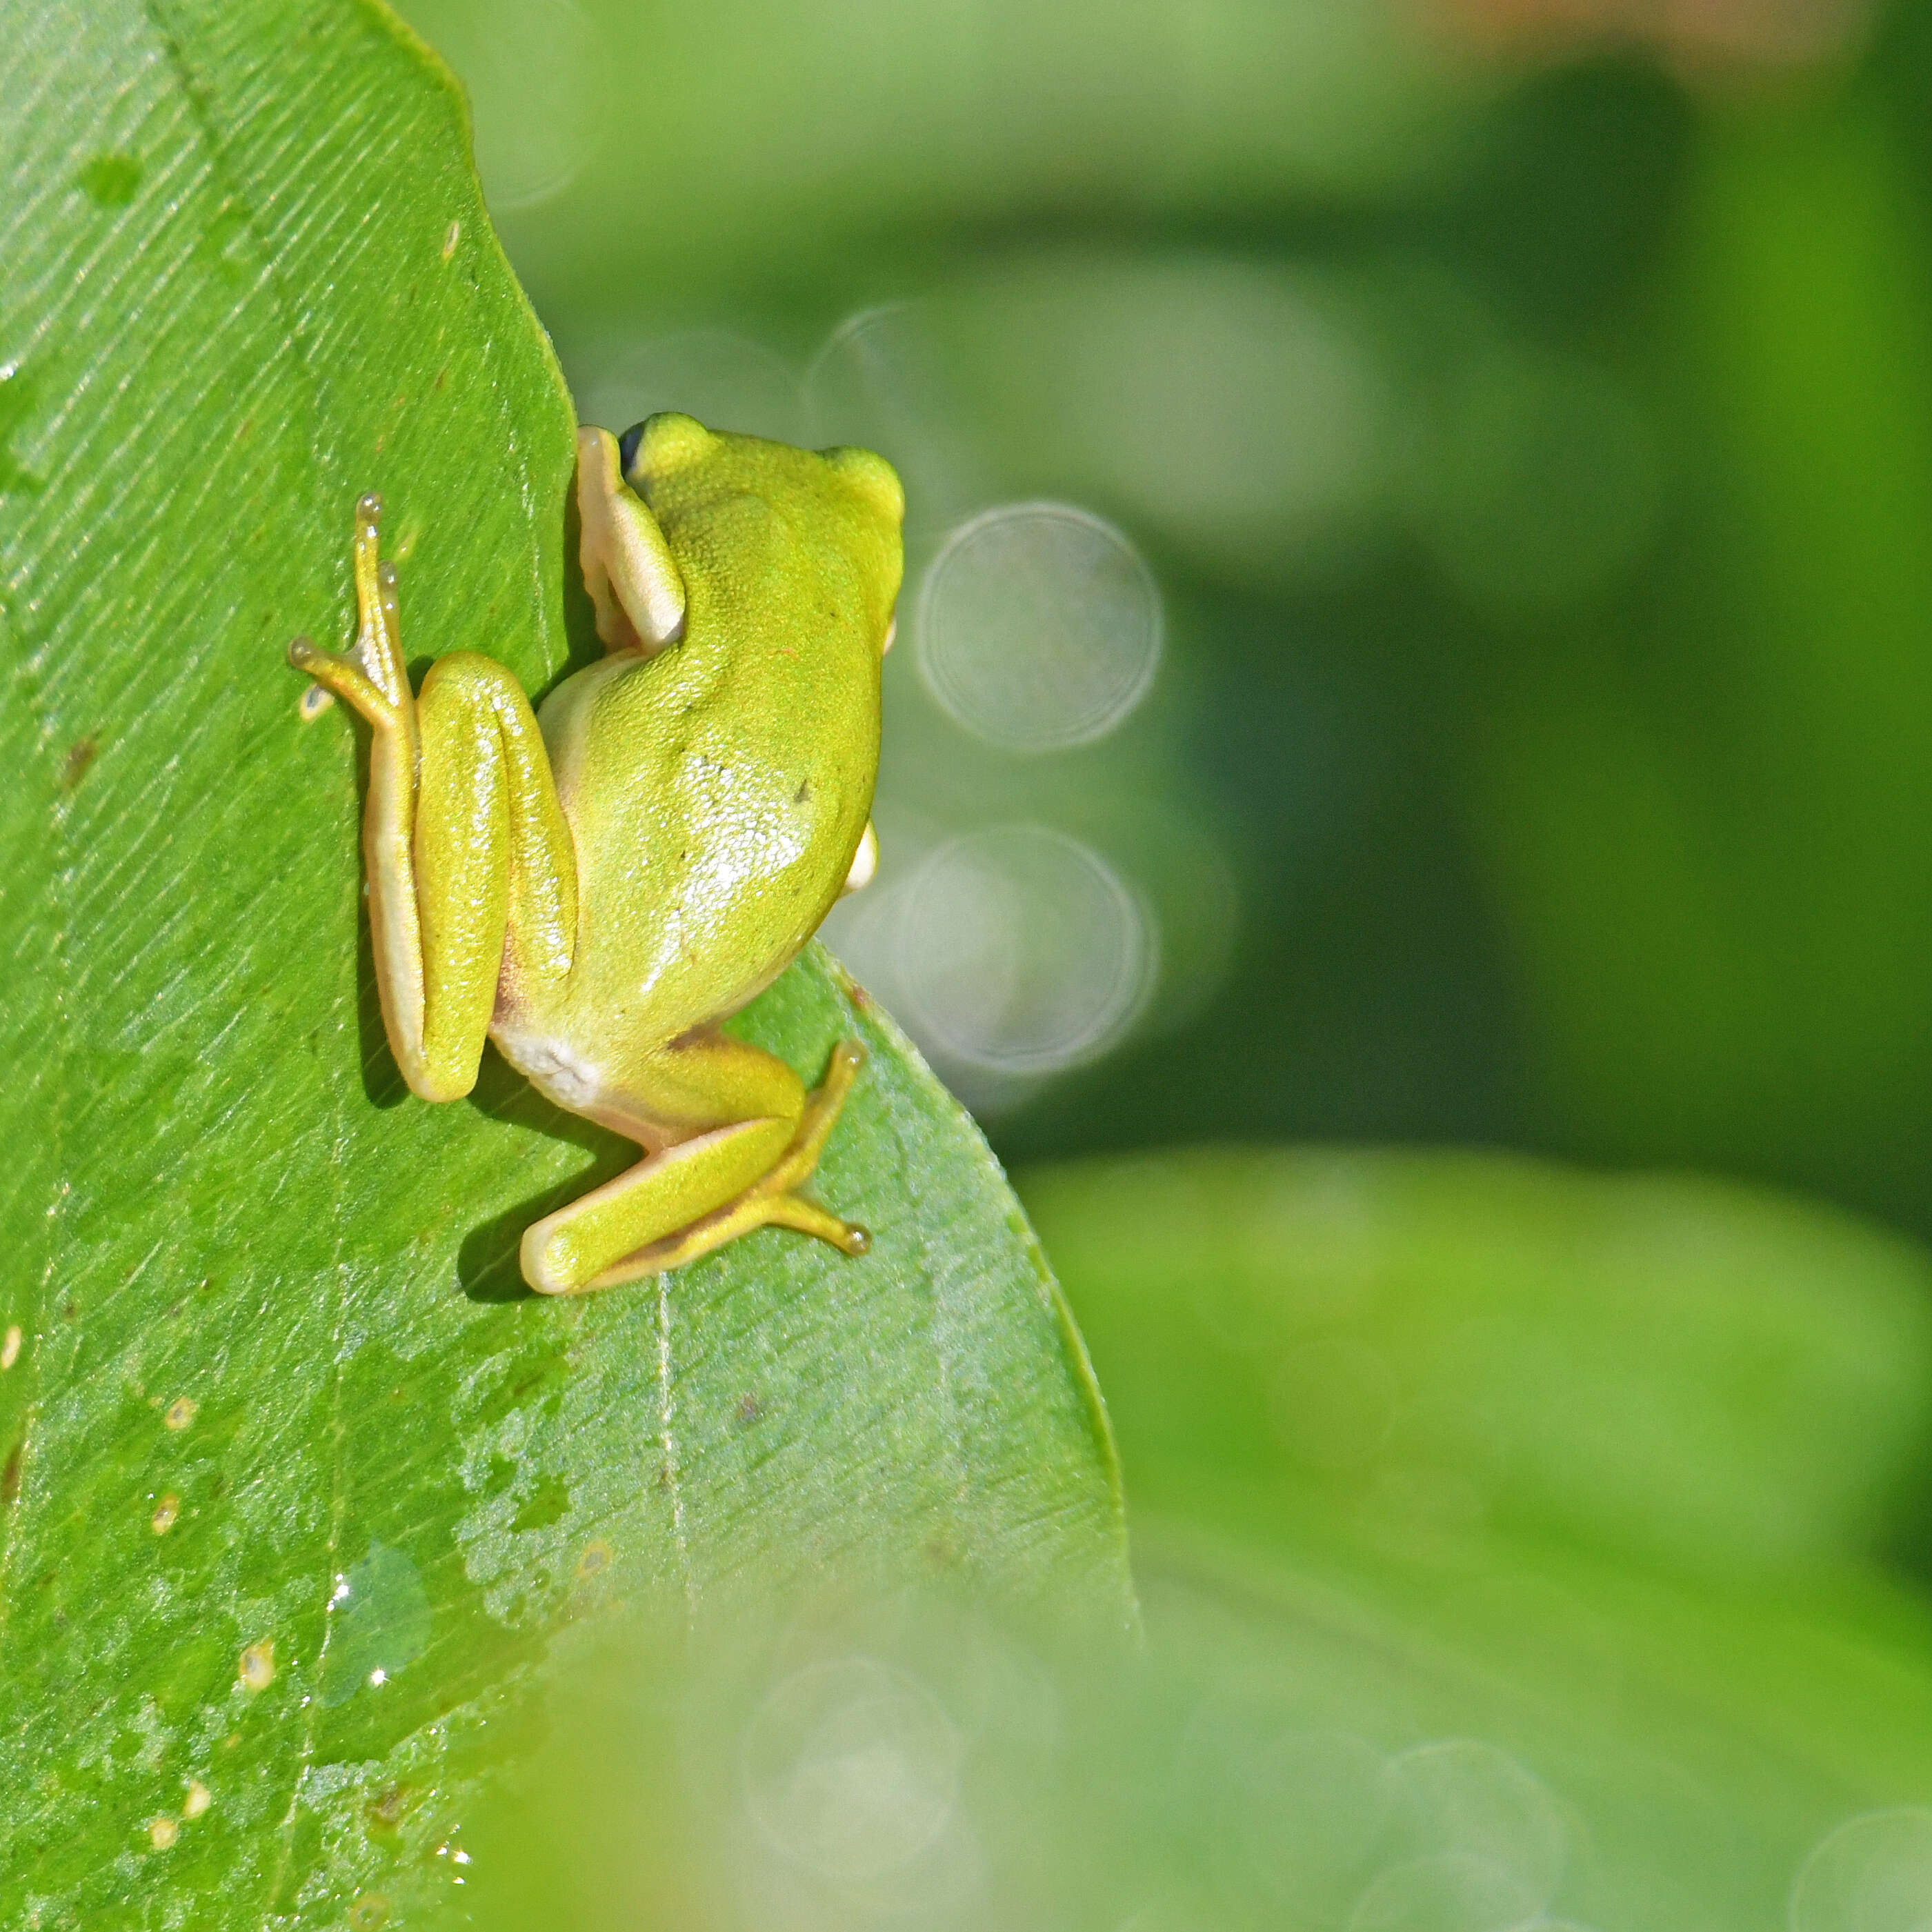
(487, 1263)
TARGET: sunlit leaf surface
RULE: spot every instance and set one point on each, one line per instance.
(297, 1483)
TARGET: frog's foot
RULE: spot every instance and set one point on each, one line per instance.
(760, 1206)
(772, 1201)
(369, 675)
(814, 1128)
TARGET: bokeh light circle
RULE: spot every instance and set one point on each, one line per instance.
(881, 381)
(1450, 1894)
(1873, 1873)
(869, 378)
(1316, 1804)
(535, 73)
(851, 1769)
(1022, 951)
(1039, 626)
(1465, 1797)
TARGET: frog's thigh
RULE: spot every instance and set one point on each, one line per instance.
(709, 1079)
(737, 1110)
(494, 862)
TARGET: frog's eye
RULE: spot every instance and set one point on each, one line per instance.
(661, 445)
(873, 477)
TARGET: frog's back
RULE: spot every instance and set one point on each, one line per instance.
(719, 790)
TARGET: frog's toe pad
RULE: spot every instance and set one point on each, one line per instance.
(807, 1217)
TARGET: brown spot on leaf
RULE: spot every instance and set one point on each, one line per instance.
(387, 1808)
(80, 755)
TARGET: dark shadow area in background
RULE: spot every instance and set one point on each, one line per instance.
(1566, 217)
(1381, 987)
(1375, 992)
(1372, 992)
(1905, 1546)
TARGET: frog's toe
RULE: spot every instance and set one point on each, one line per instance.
(341, 672)
(807, 1217)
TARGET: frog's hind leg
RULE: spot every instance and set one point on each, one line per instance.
(697, 1193)
(473, 875)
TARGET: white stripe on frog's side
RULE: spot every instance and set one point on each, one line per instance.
(559, 1075)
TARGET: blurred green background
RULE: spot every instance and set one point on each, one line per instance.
(1504, 713)
(1416, 630)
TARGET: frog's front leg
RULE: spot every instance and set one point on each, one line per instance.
(472, 876)
(698, 1192)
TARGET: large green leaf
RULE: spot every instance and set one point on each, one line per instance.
(297, 1484)
(1567, 1488)
(1410, 1346)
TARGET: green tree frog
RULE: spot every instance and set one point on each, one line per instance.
(596, 890)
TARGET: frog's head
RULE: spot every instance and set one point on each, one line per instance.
(845, 505)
